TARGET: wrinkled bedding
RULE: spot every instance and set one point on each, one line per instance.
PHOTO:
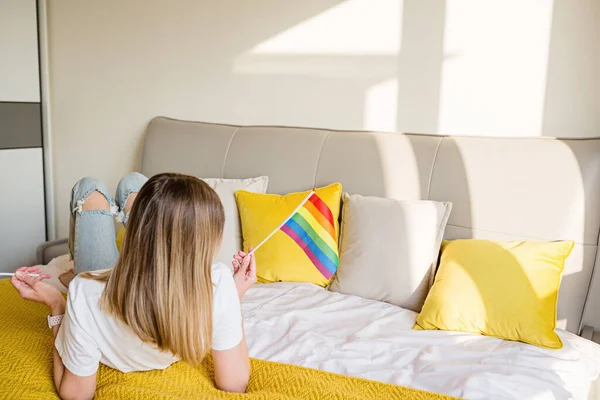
(306, 325)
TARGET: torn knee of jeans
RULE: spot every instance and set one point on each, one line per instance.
(114, 210)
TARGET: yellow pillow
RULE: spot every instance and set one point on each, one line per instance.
(120, 237)
(282, 259)
(504, 289)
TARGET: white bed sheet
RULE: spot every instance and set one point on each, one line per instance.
(306, 325)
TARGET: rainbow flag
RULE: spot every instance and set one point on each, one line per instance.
(312, 227)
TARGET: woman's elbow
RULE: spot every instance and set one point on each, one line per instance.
(233, 388)
(72, 396)
(234, 384)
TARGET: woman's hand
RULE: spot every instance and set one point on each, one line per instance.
(244, 271)
(34, 289)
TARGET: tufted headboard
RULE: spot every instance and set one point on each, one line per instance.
(501, 188)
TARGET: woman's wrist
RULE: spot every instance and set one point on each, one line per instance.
(58, 306)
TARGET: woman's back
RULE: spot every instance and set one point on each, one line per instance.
(89, 335)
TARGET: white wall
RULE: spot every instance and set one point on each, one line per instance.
(515, 68)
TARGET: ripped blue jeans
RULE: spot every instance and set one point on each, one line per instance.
(92, 232)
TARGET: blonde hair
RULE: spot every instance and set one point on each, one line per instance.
(161, 286)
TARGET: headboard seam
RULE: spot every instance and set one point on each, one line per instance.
(437, 149)
(319, 159)
(227, 151)
(595, 267)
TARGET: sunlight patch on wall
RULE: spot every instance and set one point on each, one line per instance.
(356, 39)
(381, 106)
(495, 65)
(358, 27)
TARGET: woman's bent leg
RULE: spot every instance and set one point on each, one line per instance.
(127, 190)
(91, 231)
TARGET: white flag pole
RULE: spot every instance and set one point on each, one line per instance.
(10, 274)
(283, 223)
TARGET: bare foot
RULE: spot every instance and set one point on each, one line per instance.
(66, 277)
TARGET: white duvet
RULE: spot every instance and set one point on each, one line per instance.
(306, 325)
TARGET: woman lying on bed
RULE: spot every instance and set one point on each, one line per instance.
(162, 302)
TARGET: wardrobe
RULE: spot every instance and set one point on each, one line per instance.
(22, 202)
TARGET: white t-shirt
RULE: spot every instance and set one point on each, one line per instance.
(88, 335)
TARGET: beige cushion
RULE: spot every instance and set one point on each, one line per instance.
(232, 232)
(389, 248)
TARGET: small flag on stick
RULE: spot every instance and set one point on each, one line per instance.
(312, 227)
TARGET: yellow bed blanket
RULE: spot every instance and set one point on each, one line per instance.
(26, 370)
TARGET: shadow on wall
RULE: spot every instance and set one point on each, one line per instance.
(430, 66)
(412, 66)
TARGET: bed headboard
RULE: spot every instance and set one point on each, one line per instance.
(501, 188)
